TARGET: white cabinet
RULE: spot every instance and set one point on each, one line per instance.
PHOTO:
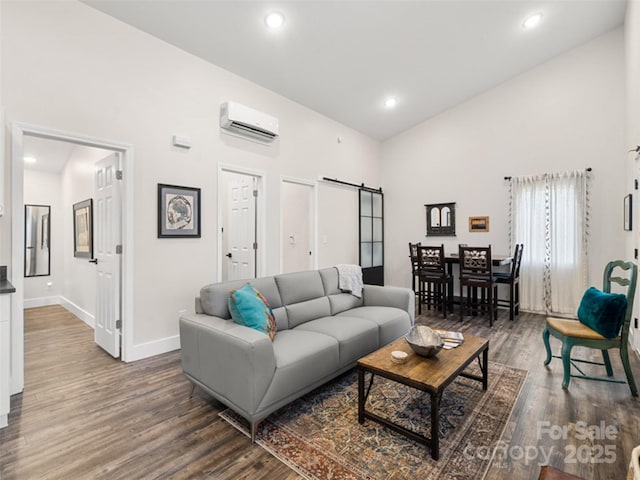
(5, 357)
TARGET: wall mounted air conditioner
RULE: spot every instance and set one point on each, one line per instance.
(246, 121)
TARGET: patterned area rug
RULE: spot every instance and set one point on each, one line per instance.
(318, 435)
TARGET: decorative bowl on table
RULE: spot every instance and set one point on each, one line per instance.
(424, 341)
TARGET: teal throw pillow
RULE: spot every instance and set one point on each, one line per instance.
(603, 312)
(248, 307)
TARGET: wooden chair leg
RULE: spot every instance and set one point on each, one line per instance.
(444, 298)
(493, 310)
(607, 362)
(545, 339)
(624, 356)
(511, 301)
(567, 345)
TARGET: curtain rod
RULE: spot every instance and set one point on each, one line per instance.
(362, 185)
(586, 169)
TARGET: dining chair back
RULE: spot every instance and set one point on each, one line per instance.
(512, 280)
(413, 257)
(476, 274)
(436, 285)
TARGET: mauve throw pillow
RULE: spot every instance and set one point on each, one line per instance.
(603, 312)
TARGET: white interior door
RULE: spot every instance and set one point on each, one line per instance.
(107, 238)
(240, 254)
(297, 226)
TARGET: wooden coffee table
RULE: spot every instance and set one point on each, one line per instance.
(431, 375)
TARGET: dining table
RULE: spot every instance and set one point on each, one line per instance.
(497, 260)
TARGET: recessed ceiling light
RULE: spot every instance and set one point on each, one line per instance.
(391, 102)
(29, 160)
(532, 20)
(274, 20)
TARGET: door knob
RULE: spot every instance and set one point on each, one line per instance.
(229, 255)
(94, 260)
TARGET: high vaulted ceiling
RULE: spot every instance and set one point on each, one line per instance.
(343, 58)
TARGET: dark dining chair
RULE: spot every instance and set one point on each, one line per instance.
(413, 257)
(476, 273)
(512, 279)
(435, 284)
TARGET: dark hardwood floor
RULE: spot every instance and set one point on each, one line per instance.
(84, 415)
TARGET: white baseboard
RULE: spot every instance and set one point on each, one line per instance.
(82, 314)
(41, 301)
(150, 349)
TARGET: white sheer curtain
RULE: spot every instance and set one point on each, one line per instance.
(549, 214)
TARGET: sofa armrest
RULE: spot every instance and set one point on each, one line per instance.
(399, 297)
(235, 362)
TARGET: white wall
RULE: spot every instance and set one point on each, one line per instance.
(42, 188)
(565, 114)
(69, 67)
(632, 44)
(97, 76)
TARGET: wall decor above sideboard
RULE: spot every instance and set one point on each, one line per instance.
(441, 219)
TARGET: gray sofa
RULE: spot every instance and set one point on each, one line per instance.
(322, 332)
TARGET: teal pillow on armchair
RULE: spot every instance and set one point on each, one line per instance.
(603, 312)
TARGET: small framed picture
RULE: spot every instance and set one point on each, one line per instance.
(178, 211)
(628, 213)
(83, 229)
(479, 224)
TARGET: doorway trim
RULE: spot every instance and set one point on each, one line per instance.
(313, 224)
(260, 214)
(18, 131)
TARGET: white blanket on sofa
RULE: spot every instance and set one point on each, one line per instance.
(350, 279)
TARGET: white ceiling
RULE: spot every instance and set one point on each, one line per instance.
(51, 155)
(342, 58)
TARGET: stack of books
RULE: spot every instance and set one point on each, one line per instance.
(451, 339)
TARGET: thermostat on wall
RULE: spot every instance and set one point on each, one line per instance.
(181, 141)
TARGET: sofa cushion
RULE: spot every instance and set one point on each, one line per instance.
(280, 314)
(302, 357)
(392, 322)
(248, 307)
(214, 297)
(603, 312)
(302, 312)
(299, 287)
(356, 336)
(330, 280)
(343, 301)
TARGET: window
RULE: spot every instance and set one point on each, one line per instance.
(549, 216)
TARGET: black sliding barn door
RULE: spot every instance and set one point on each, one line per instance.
(372, 236)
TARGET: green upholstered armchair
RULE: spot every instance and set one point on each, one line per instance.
(574, 332)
